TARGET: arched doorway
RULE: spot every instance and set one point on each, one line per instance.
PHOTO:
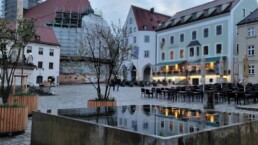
(133, 73)
(147, 73)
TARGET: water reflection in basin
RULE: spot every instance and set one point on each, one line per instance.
(157, 120)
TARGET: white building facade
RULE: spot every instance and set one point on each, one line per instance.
(47, 60)
(141, 24)
(207, 31)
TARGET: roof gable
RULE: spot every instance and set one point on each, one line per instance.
(148, 20)
(253, 17)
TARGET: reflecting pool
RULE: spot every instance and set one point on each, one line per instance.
(157, 120)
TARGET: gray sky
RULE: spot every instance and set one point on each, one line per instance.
(113, 10)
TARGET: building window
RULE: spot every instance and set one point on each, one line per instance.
(206, 32)
(134, 39)
(134, 29)
(171, 126)
(51, 65)
(191, 129)
(144, 27)
(29, 49)
(182, 38)
(218, 49)
(51, 52)
(162, 124)
(250, 50)
(39, 79)
(206, 50)
(40, 51)
(130, 20)
(40, 64)
(171, 39)
(219, 30)
(145, 125)
(162, 44)
(194, 35)
(146, 54)
(130, 30)
(191, 53)
(251, 69)
(197, 51)
(162, 56)
(237, 50)
(181, 128)
(120, 121)
(243, 12)
(146, 38)
(182, 54)
(250, 31)
(125, 122)
(172, 55)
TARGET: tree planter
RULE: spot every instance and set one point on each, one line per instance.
(13, 119)
(97, 103)
(30, 101)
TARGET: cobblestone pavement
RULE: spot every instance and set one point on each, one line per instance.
(76, 96)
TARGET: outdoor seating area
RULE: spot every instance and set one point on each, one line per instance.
(222, 93)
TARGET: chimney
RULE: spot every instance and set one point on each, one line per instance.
(152, 10)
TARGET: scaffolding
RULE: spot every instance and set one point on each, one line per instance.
(9, 7)
(67, 27)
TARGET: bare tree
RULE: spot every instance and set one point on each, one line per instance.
(12, 42)
(104, 50)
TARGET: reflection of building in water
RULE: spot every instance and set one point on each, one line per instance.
(168, 121)
(137, 118)
(157, 120)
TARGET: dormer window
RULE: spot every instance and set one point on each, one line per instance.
(194, 15)
(182, 18)
(144, 27)
(219, 9)
(206, 12)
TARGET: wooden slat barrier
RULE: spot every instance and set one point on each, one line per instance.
(13, 119)
(30, 101)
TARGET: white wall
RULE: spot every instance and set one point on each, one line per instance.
(45, 58)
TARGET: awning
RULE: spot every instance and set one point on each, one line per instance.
(194, 43)
(172, 63)
(194, 62)
(212, 59)
(207, 60)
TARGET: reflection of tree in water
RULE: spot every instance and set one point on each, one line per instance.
(107, 115)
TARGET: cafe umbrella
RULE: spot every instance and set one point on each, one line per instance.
(245, 71)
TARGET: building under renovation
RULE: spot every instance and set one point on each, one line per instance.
(65, 18)
(9, 7)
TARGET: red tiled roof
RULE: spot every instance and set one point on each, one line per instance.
(45, 11)
(147, 18)
(46, 36)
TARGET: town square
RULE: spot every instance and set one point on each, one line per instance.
(75, 72)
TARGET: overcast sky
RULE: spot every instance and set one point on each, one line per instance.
(113, 10)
